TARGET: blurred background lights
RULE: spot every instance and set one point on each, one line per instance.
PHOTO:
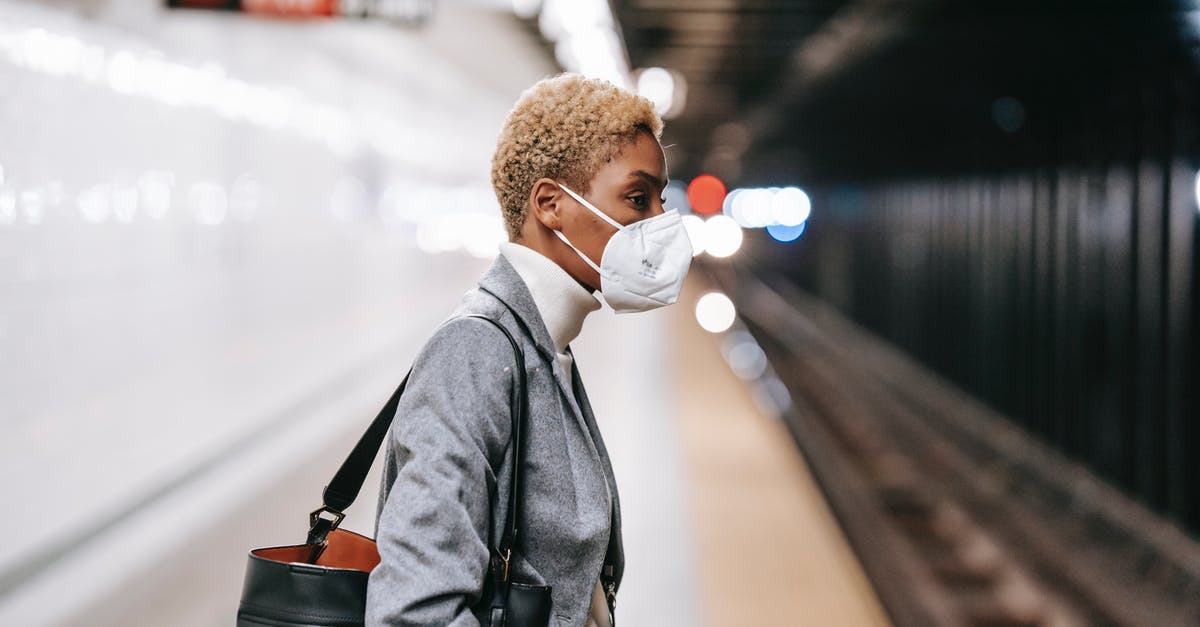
(155, 188)
(675, 197)
(782, 211)
(785, 233)
(715, 312)
(772, 396)
(752, 208)
(208, 202)
(94, 202)
(666, 89)
(722, 236)
(584, 35)
(657, 85)
(706, 194)
(124, 203)
(8, 206)
(564, 18)
(433, 237)
(1008, 113)
(526, 9)
(468, 220)
(790, 206)
(476, 233)
(594, 53)
(695, 230)
(1197, 191)
(392, 207)
(152, 75)
(730, 199)
(482, 235)
(744, 356)
(32, 206)
(55, 193)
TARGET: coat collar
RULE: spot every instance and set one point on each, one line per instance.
(562, 301)
(503, 281)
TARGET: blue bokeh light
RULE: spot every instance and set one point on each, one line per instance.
(782, 233)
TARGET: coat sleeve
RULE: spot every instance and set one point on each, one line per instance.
(450, 434)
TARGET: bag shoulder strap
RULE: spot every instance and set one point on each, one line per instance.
(343, 489)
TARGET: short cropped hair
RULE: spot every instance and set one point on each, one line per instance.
(564, 127)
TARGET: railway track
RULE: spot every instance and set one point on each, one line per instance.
(959, 517)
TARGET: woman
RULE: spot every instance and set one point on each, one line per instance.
(579, 173)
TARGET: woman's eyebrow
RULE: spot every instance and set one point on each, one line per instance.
(653, 180)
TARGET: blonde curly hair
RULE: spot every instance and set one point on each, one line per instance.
(564, 127)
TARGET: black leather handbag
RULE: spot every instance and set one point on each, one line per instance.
(323, 582)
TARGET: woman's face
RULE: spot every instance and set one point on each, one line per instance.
(628, 188)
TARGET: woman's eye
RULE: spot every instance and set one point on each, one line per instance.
(639, 201)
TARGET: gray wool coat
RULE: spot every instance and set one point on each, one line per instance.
(449, 447)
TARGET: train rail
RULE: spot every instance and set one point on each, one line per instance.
(958, 516)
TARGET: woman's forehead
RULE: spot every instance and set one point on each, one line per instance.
(653, 179)
(641, 159)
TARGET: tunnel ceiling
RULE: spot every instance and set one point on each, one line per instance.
(792, 90)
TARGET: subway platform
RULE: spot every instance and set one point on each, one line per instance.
(723, 523)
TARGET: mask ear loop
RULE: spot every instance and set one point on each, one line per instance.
(603, 216)
(585, 258)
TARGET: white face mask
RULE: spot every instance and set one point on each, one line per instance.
(643, 264)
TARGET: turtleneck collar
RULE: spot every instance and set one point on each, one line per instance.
(562, 302)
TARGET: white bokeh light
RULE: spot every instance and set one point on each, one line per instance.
(482, 234)
(32, 206)
(8, 206)
(752, 208)
(715, 312)
(124, 203)
(745, 357)
(134, 71)
(155, 193)
(722, 236)
(95, 202)
(728, 204)
(1198, 191)
(585, 38)
(526, 8)
(657, 85)
(208, 202)
(790, 206)
(759, 208)
(695, 231)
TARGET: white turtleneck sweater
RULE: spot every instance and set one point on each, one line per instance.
(563, 304)
(560, 299)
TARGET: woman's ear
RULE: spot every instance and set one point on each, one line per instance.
(544, 200)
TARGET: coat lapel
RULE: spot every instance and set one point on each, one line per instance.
(590, 419)
(505, 283)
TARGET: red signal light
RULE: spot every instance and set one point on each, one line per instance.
(706, 194)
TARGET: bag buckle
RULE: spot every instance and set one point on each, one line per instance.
(316, 515)
(502, 574)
